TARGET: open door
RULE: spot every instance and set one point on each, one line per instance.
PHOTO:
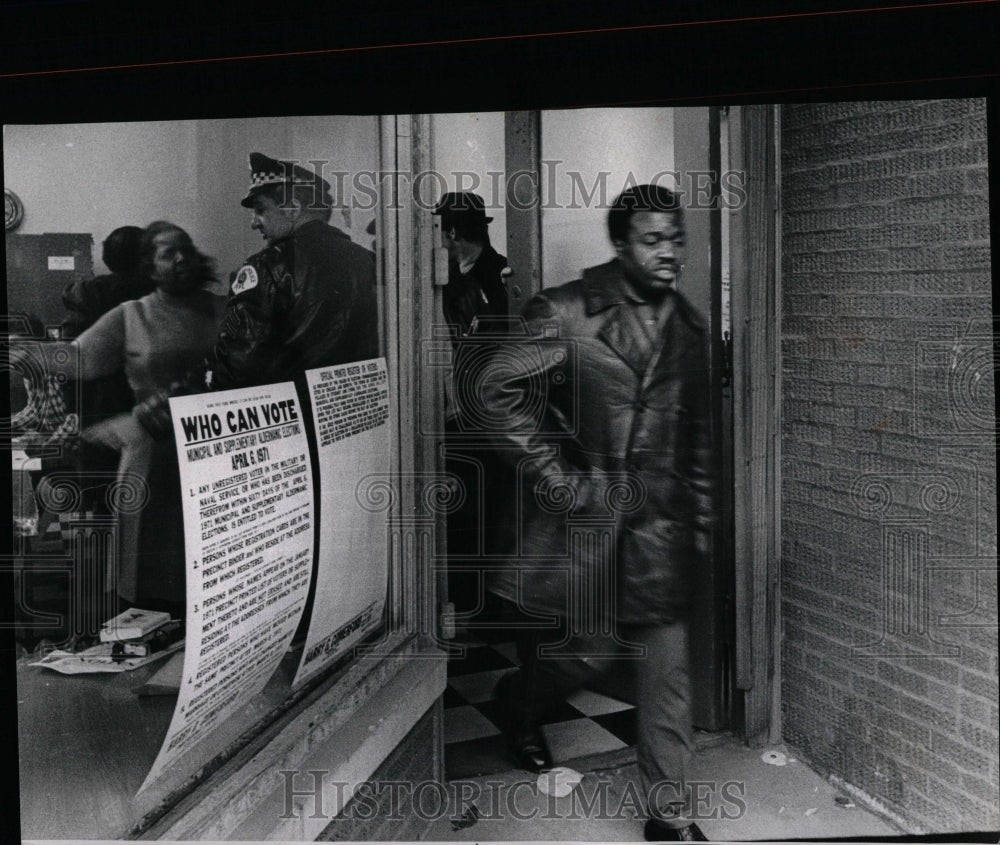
(556, 208)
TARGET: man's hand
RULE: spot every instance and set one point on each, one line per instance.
(116, 433)
(153, 415)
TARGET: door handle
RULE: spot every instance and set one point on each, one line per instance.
(513, 290)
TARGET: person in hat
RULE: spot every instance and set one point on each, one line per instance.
(307, 300)
(475, 286)
(474, 302)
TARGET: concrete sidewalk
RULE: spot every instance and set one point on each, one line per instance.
(740, 797)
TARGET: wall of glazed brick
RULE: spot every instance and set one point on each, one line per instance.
(889, 581)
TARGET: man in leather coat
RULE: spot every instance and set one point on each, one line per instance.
(604, 412)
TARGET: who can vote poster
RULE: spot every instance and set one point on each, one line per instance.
(246, 483)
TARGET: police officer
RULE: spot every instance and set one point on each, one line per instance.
(306, 300)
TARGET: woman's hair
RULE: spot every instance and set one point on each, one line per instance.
(122, 249)
(204, 266)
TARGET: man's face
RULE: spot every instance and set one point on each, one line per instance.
(272, 221)
(652, 251)
(173, 262)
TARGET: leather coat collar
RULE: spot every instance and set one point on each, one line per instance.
(605, 288)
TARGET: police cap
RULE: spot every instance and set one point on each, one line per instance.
(266, 171)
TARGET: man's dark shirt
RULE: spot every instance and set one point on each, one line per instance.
(479, 293)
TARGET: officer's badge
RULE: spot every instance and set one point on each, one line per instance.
(246, 279)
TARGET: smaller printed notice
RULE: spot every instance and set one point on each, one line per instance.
(62, 262)
(351, 408)
(246, 482)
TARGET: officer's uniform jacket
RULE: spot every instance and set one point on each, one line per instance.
(307, 300)
(605, 423)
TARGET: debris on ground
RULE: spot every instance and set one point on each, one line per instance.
(467, 819)
(559, 781)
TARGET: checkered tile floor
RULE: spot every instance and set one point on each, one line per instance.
(586, 723)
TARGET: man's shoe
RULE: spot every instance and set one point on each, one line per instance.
(525, 741)
(531, 750)
(657, 831)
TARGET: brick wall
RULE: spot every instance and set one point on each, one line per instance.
(386, 813)
(889, 586)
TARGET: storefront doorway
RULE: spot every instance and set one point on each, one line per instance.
(547, 179)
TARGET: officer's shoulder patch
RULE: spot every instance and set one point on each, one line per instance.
(246, 279)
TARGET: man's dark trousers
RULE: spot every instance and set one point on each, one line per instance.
(661, 689)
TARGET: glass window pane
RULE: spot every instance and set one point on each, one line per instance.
(154, 315)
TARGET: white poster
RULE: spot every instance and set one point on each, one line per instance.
(248, 520)
(351, 410)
